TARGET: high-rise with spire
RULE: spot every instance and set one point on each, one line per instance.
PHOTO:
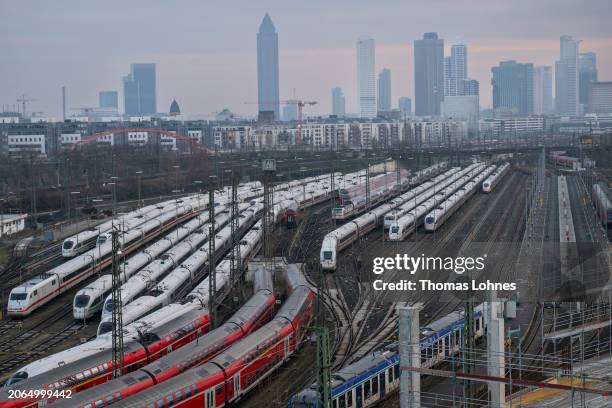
(267, 68)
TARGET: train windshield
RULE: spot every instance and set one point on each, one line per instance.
(429, 220)
(394, 230)
(101, 239)
(81, 300)
(108, 306)
(327, 255)
(68, 244)
(19, 296)
(105, 327)
(17, 377)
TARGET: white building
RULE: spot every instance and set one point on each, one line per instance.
(68, 139)
(366, 78)
(501, 128)
(232, 137)
(137, 138)
(12, 223)
(21, 145)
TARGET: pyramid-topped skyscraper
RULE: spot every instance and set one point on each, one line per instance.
(267, 69)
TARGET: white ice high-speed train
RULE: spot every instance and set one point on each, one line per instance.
(31, 295)
(90, 300)
(340, 238)
(418, 194)
(435, 218)
(178, 279)
(85, 240)
(147, 277)
(406, 225)
(489, 184)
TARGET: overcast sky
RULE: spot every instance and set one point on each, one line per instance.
(205, 51)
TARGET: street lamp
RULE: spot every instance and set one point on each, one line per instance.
(114, 186)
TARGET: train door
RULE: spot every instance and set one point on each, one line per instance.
(209, 398)
(382, 384)
(359, 396)
(236, 385)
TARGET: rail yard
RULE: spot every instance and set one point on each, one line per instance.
(264, 291)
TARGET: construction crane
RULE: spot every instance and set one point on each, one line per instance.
(23, 101)
(300, 104)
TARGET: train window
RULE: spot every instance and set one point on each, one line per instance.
(396, 371)
(366, 390)
(218, 390)
(349, 398)
(457, 340)
(160, 402)
(375, 385)
(35, 292)
(81, 301)
(390, 373)
(342, 401)
(335, 403)
(477, 324)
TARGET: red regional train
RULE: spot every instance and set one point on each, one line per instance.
(97, 368)
(256, 312)
(230, 375)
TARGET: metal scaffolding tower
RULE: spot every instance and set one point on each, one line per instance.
(236, 264)
(323, 367)
(117, 317)
(468, 346)
(398, 175)
(368, 186)
(212, 274)
(269, 169)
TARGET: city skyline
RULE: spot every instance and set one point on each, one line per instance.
(222, 72)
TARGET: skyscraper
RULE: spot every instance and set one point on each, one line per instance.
(384, 90)
(267, 68)
(587, 73)
(542, 90)
(513, 86)
(108, 100)
(455, 70)
(470, 87)
(566, 77)
(139, 90)
(338, 102)
(366, 78)
(290, 111)
(405, 105)
(428, 74)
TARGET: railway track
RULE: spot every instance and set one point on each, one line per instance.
(29, 344)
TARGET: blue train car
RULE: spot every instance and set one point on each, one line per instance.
(371, 379)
